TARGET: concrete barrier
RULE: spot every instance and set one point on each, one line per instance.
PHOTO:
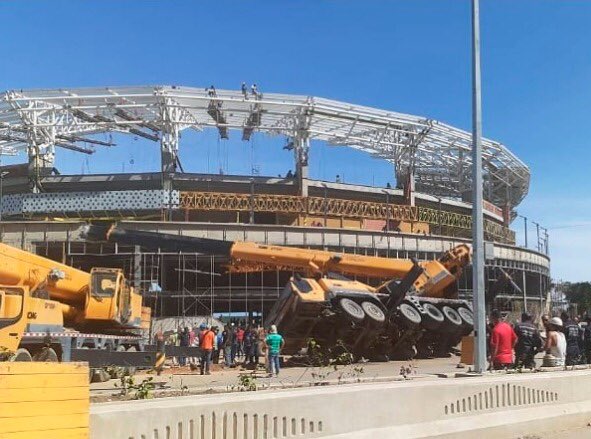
(43, 400)
(485, 407)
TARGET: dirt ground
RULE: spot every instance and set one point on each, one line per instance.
(182, 381)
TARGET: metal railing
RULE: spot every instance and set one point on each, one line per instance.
(454, 224)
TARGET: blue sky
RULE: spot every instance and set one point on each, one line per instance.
(407, 56)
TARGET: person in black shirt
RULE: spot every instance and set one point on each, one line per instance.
(574, 340)
(529, 342)
(587, 339)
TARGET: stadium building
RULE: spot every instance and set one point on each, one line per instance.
(427, 212)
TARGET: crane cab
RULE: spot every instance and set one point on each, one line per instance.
(112, 300)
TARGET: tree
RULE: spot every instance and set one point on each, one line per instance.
(579, 293)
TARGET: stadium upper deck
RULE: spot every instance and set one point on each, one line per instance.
(436, 155)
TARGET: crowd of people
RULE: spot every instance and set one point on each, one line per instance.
(233, 345)
(565, 342)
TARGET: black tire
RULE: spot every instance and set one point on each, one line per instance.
(373, 312)
(467, 320)
(21, 355)
(453, 321)
(46, 354)
(432, 318)
(409, 314)
(351, 310)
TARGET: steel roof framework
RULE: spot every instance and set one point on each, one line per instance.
(438, 154)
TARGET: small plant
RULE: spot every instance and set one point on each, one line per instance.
(142, 390)
(247, 383)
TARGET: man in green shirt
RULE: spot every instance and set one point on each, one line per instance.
(274, 344)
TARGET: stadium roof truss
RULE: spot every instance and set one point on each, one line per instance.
(438, 154)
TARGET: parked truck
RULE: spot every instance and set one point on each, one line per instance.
(53, 312)
(413, 310)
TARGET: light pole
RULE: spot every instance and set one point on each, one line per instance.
(537, 234)
(477, 215)
(524, 228)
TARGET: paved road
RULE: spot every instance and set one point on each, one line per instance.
(183, 378)
(574, 433)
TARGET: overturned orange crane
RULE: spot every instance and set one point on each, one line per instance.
(414, 307)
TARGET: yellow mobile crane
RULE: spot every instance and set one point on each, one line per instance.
(52, 312)
(416, 301)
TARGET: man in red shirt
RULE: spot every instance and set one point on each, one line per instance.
(502, 341)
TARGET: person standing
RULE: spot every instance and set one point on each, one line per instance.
(274, 342)
(227, 346)
(556, 341)
(206, 342)
(184, 342)
(587, 339)
(502, 341)
(234, 343)
(240, 339)
(247, 343)
(529, 342)
(574, 339)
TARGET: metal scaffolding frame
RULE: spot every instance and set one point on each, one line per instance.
(437, 155)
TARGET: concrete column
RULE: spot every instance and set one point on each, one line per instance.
(40, 164)
(524, 291)
(301, 148)
(137, 267)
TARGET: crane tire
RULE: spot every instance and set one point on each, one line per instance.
(432, 318)
(409, 314)
(467, 320)
(453, 321)
(46, 354)
(351, 310)
(373, 312)
(21, 354)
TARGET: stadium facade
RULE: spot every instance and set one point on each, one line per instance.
(427, 212)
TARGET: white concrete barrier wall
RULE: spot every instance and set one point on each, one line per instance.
(490, 407)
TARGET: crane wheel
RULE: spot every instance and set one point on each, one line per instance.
(432, 318)
(453, 321)
(21, 355)
(373, 312)
(409, 314)
(351, 310)
(467, 320)
(46, 354)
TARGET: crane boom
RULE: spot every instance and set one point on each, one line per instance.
(249, 256)
(63, 283)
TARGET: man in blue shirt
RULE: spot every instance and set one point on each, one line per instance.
(274, 344)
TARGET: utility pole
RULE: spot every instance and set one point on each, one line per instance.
(539, 246)
(477, 216)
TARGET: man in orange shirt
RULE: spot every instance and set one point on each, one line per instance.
(206, 337)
